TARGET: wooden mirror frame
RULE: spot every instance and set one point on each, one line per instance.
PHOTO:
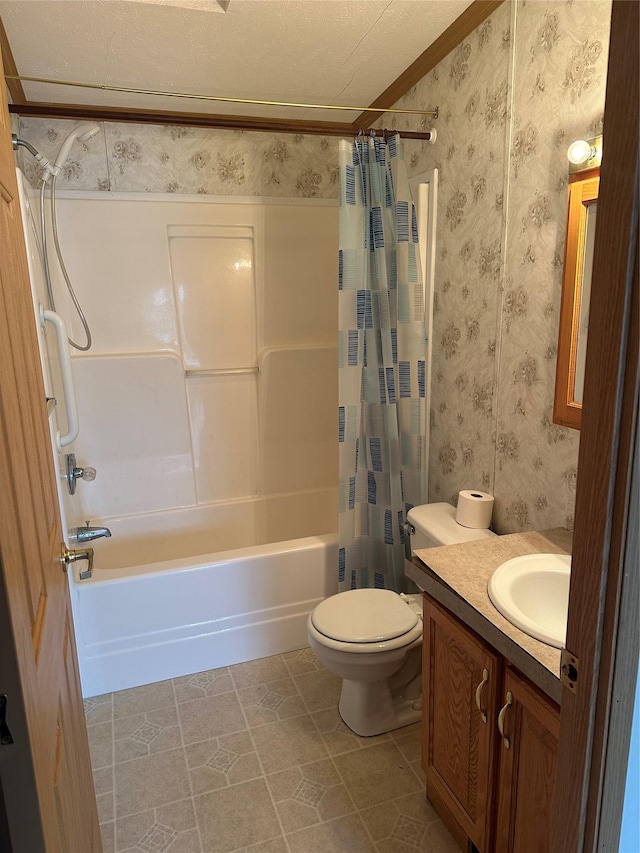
(583, 191)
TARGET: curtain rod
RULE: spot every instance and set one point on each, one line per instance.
(192, 96)
(209, 121)
(427, 135)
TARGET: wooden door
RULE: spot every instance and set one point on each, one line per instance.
(60, 814)
(602, 628)
(460, 690)
(527, 768)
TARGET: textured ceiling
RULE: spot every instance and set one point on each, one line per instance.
(314, 51)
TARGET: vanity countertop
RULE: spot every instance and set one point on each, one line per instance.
(457, 577)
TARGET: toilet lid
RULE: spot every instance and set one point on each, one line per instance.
(364, 616)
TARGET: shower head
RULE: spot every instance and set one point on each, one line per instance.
(90, 132)
(83, 132)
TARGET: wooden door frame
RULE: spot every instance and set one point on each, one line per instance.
(21, 804)
(600, 635)
(48, 787)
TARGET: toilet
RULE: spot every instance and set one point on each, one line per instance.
(372, 638)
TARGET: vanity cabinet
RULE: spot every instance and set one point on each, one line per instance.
(461, 678)
(528, 753)
(492, 787)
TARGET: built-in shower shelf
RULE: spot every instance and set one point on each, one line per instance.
(51, 404)
(225, 371)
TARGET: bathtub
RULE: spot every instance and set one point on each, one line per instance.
(162, 618)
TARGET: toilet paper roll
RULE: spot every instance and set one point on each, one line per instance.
(474, 509)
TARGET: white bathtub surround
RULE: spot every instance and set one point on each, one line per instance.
(151, 622)
(207, 406)
(135, 433)
(214, 280)
(214, 372)
(155, 537)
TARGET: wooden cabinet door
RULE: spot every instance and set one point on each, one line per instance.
(460, 694)
(51, 749)
(527, 768)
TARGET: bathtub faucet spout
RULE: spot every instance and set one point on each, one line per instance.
(88, 534)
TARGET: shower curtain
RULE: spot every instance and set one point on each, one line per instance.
(382, 348)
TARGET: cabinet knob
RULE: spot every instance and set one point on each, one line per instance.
(501, 715)
(479, 688)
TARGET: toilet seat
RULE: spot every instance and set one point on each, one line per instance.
(365, 620)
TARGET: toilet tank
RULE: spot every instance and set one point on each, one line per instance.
(435, 524)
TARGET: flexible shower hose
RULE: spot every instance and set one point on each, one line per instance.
(47, 271)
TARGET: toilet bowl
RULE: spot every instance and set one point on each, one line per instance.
(372, 638)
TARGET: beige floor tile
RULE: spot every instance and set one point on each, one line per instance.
(224, 761)
(101, 745)
(439, 840)
(409, 741)
(414, 730)
(288, 743)
(309, 794)
(139, 700)
(410, 838)
(146, 734)
(344, 835)
(337, 736)
(186, 842)
(274, 700)
(401, 821)
(98, 709)
(108, 836)
(106, 807)
(275, 845)
(301, 661)
(376, 774)
(220, 762)
(417, 769)
(150, 782)
(170, 828)
(235, 817)
(103, 780)
(319, 689)
(203, 684)
(213, 716)
(258, 671)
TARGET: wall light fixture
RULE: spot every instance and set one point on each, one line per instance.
(585, 151)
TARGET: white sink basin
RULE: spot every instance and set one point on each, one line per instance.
(532, 592)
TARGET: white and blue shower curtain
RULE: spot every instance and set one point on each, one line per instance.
(382, 366)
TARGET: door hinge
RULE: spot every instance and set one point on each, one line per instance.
(5, 735)
(569, 670)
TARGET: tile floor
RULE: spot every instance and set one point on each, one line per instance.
(254, 757)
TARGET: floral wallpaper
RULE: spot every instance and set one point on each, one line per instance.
(528, 81)
(162, 159)
(558, 94)
(470, 87)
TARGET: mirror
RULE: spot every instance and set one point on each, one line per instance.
(576, 291)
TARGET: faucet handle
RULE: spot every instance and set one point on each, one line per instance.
(74, 473)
